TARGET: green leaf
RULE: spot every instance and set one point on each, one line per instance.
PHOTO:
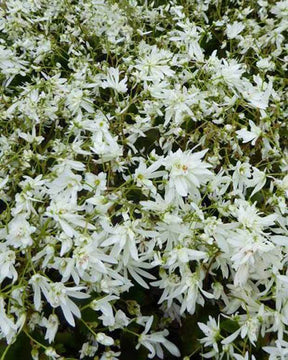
(21, 349)
(229, 325)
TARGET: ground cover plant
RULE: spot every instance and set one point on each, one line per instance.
(143, 179)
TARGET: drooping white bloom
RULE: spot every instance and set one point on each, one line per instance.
(7, 261)
(59, 295)
(192, 290)
(88, 350)
(106, 309)
(280, 9)
(51, 324)
(66, 183)
(39, 284)
(265, 64)
(8, 328)
(90, 259)
(252, 254)
(30, 138)
(154, 341)
(103, 339)
(51, 353)
(106, 147)
(283, 184)
(229, 72)
(257, 182)
(189, 35)
(171, 231)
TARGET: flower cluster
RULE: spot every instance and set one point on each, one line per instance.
(144, 179)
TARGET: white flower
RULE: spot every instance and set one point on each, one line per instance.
(8, 328)
(154, 64)
(250, 218)
(251, 135)
(190, 36)
(7, 261)
(107, 148)
(187, 172)
(177, 101)
(88, 350)
(51, 325)
(19, 232)
(191, 289)
(257, 182)
(10, 64)
(112, 81)
(258, 96)
(241, 175)
(251, 253)
(76, 100)
(3, 182)
(234, 29)
(280, 9)
(265, 64)
(96, 183)
(154, 341)
(180, 256)
(103, 339)
(250, 328)
(123, 238)
(283, 184)
(143, 175)
(106, 309)
(30, 138)
(67, 183)
(51, 353)
(39, 284)
(63, 211)
(278, 351)
(229, 71)
(110, 355)
(58, 295)
(212, 333)
(246, 357)
(121, 320)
